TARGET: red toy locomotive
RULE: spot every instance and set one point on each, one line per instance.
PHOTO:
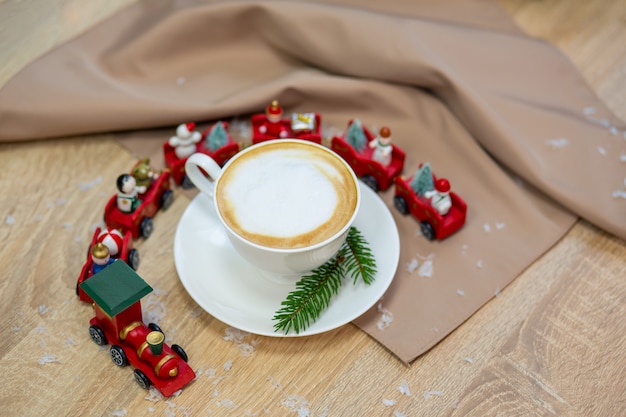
(117, 291)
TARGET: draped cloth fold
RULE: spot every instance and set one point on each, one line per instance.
(505, 117)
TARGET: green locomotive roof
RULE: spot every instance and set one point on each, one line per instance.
(116, 288)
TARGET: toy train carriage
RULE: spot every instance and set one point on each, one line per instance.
(220, 154)
(159, 196)
(120, 247)
(376, 175)
(117, 291)
(305, 126)
(432, 224)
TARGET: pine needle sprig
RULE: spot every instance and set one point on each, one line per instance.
(314, 291)
(359, 261)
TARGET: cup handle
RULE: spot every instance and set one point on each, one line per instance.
(192, 169)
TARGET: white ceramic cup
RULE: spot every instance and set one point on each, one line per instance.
(286, 204)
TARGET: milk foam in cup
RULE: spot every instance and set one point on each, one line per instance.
(286, 204)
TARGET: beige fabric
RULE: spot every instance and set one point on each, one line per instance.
(507, 119)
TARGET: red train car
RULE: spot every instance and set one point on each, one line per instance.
(432, 224)
(376, 175)
(220, 155)
(124, 251)
(159, 196)
(305, 126)
(117, 291)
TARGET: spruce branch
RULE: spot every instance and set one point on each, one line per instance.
(314, 291)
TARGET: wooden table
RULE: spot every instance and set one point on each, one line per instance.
(552, 343)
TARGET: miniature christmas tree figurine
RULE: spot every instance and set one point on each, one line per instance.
(217, 137)
(355, 136)
(127, 200)
(185, 140)
(382, 146)
(440, 196)
(144, 174)
(422, 181)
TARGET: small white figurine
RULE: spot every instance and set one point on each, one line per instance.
(184, 143)
(127, 200)
(382, 146)
(440, 196)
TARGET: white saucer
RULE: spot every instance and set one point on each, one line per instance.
(236, 293)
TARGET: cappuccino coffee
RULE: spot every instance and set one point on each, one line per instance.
(287, 195)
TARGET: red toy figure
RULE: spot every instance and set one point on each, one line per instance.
(119, 247)
(216, 142)
(184, 143)
(357, 145)
(429, 200)
(272, 125)
(143, 207)
(117, 292)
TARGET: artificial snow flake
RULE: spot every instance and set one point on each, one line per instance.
(557, 143)
(153, 309)
(619, 194)
(460, 292)
(84, 186)
(589, 110)
(388, 403)
(602, 151)
(10, 220)
(237, 337)
(426, 270)
(226, 403)
(180, 80)
(47, 358)
(404, 388)
(119, 413)
(500, 226)
(468, 359)
(297, 404)
(429, 394)
(412, 265)
(486, 227)
(385, 319)
(614, 131)
(479, 264)
(399, 414)
(228, 365)
(154, 395)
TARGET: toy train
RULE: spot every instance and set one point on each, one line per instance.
(117, 291)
